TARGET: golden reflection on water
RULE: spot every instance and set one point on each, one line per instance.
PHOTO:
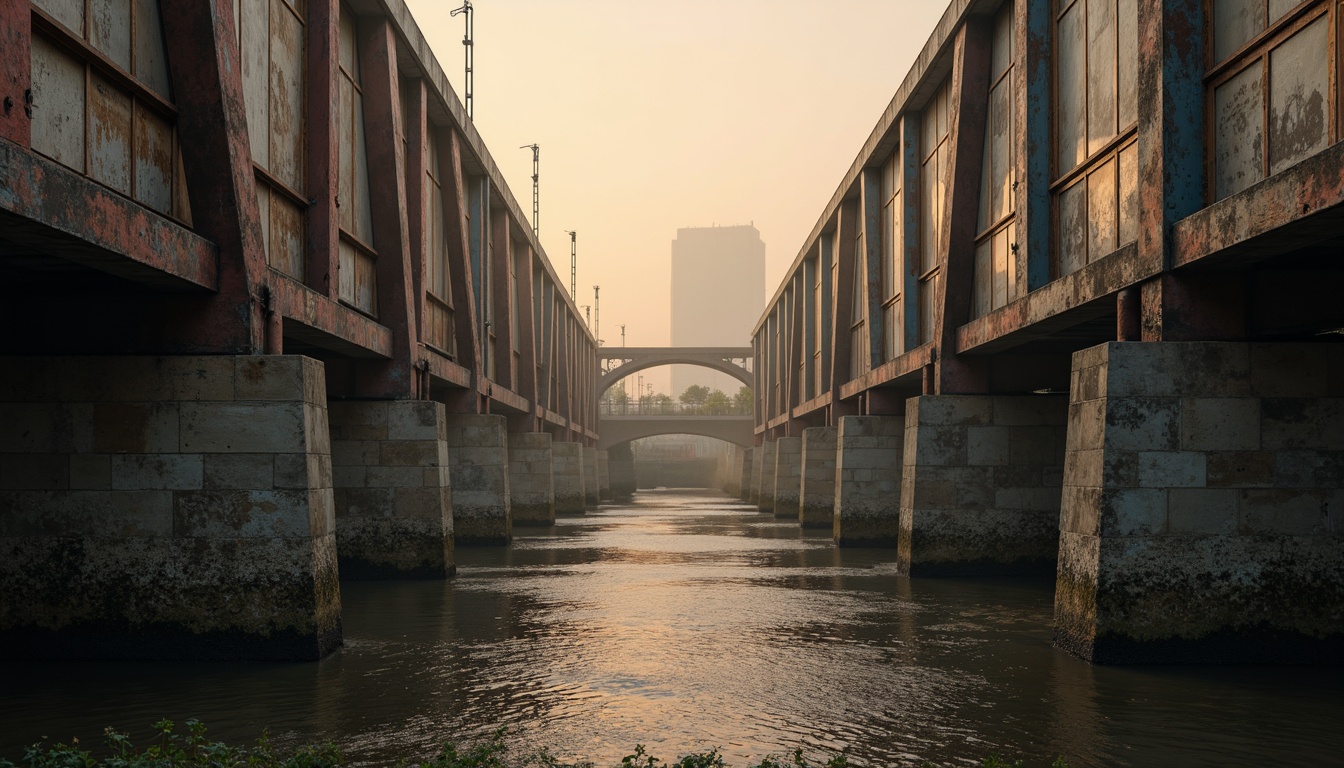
(687, 621)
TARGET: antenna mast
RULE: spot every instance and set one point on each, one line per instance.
(536, 175)
(573, 264)
(467, 44)
(597, 315)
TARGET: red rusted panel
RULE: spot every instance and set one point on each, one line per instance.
(395, 285)
(321, 224)
(43, 191)
(501, 255)
(952, 308)
(15, 71)
(207, 83)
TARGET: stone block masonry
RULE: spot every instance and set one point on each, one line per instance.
(531, 483)
(816, 491)
(592, 491)
(757, 466)
(166, 508)
(868, 480)
(394, 514)
(622, 470)
(788, 476)
(478, 457)
(604, 475)
(744, 483)
(567, 465)
(981, 484)
(765, 497)
(1203, 506)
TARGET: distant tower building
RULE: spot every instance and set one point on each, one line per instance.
(718, 294)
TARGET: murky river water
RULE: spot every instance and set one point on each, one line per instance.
(685, 621)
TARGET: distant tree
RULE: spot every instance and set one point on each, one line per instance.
(694, 397)
(662, 403)
(742, 401)
(718, 404)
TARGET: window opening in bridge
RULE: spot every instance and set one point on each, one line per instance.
(357, 257)
(818, 321)
(1269, 87)
(996, 266)
(515, 296)
(102, 105)
(1096, 121)
(858, 327)
(271, 40)
(439, 330)
(933, 186)
(893, 261)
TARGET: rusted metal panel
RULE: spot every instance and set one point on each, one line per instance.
(1071, 89)
(1072, 240)
(1234, 23)
(70, 13)
(212, 112)
(264, 218)
(1127, 62)
(1128, 168)
(1102, 99)
(1102, 216)
(155, 160)
(366, 283)
(110, 30)
(286, 97)
(58, 104)
(109, 134)
(1238, 132)
(346, 201)
(1299, 81)
(151, 63)
(103, 223)
(286, 236)
(254, 33)
(347, 258)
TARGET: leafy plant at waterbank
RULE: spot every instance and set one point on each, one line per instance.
(176, 750)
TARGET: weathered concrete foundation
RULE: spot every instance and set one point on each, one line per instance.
(531, 484)
(732, 481)
(765, 496)
(478, 455)
(622, 464)
(166, 508)
(592, 493)
(744, 485)
(981, 484)
(868, 480)
(816, 489)
(1203, 504)
(394, 514)
(788, 476)
(603, 476)
(757, 465)
(567, 472)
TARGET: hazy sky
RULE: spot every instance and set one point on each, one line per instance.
(653, 116)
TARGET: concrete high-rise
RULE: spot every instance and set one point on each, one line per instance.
(718, 293)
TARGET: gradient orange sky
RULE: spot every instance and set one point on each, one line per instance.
(653, 116)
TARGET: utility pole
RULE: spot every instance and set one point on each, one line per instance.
(467, 43)
(536, 175)
(573, 264)
(625, 382)
(597, 315)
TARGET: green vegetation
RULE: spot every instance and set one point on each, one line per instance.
(175, 750)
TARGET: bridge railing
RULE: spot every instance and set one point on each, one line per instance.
(666, 406)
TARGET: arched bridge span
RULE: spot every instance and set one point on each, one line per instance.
(616, 430)
(734, 361)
